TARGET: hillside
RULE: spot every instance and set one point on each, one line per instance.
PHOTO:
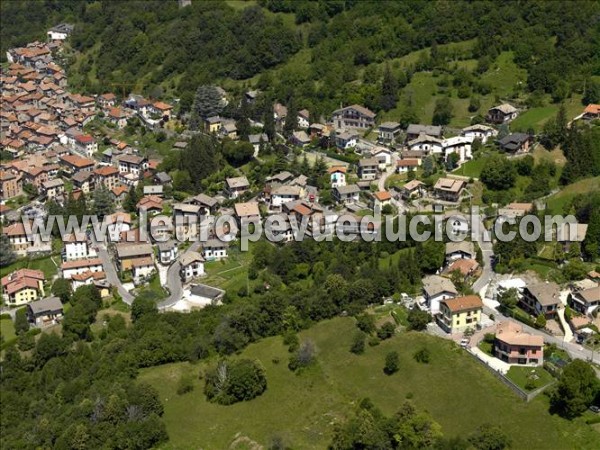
(457, 392)
(324, 53)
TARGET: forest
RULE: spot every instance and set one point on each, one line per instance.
(160, 48)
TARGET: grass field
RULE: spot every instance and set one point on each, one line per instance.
(536, 117)
(474, 167)
(7, 330)
(229, 273)
(559, 202)
(521, 375)
(46, 265)
(303, 408)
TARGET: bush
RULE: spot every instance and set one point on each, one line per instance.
(489, 338)
(392, 363)
(418, 320)
(374, 341)
(358, 343)
(290, 339)
(185, 385)
(365, 323)
(303, 357)
(422, 356)
(235, 381)
(386, 331)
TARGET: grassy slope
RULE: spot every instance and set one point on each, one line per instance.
(457, 391)
(7, 329)
(560, 200)
(536, 117)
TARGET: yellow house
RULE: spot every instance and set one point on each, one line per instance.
(212, 124)
(24, 291)
(458, 314)
(23, 286)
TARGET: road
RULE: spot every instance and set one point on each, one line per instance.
(487, 251)
(388, 171)
(174, 283)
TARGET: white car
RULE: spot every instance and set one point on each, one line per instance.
(464, 343)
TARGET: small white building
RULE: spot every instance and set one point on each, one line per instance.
(480, 131)
(214, 249)
(76, 246)
(283, 194)
(460, 145)
(436, 289)
(117, 223)
(70, 268)
(337, 176)
(191, 265)
(142, 269)
(167, 252)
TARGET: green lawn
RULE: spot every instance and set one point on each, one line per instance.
(473, 168)
(229, 273)
(44, 264)
(521, 376)
(486, 347)
(303, 408)
(559, 202)
(7, 329)
(536, 117)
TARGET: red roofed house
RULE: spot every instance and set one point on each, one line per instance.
(117, 117)
(381, 199)
(107, 176)
(23, 286)
(73, 164)
(85, 144)
(162, 109)
(408, 164)
(591, 112)
(515, 346)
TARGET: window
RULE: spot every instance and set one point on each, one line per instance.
(534, 351)
(521, 351)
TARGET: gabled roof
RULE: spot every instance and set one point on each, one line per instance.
(361, 109)
(467, 303)
(545, 293)
(48, 304)
(434, 285)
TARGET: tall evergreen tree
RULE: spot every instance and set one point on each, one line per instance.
(291, 120)
(103, 204)
(243, 122)
(7, 255)
(389, 89)
(207, 103)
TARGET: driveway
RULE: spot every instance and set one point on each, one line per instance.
(111, 274)
(388, 171)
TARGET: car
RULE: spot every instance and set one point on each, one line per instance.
(595, 409)
(464, 343)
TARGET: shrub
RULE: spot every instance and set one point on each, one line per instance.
(235, 381)
(185, 385)
(489, 338)
(303, 357)
(290, 339)
(422, 356)
(392, 363)
(358, 343)
(374, 341)
(366, 323)
(386, 331)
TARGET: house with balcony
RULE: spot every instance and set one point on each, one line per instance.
(85, 145)
(355, 116)
(460, 313)
(128, 253)
(45, 312)
(346, 194)
(79, 266)
(167, 252)
(76, 246)
(515, 346)
(585, 301)
(479, 131)
(437, 289)
(368, 169)
(449, 189)
(541, 299)
(236, 186)
(388, 132)
(23, 286)
(337, 176)
(214, 249)
(415, 130)
(191, 265)
(501, 114)
(53, 188)
(346, 140)
(133, 164)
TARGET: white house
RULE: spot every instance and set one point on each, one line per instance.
(460, 145)
(76, 246)
(283, 194)
(383, 155)
(191, 265)
(480, 131)
(117, 223)
(337, 176)
(436, 289)
(346, 140)
(60, 32)
(426, 143)
(85, 145)
(167, 252)
(347, 194)
(303, 118)
(70, 268)
(460, 250)
(142, 269)
(214, 249)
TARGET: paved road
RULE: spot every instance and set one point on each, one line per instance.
(388, 171)
(111, 274)
(487, 250)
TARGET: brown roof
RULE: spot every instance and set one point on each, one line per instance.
(141, 262)
(77, 161)
(22, 273)
(106, 171)
(81, 263)
(334, 169)
(408, 162)
(464, 266)
(545, 293)
(89, 274)
(247, 209)
(513, 334)
(382, 196)
(466, 303)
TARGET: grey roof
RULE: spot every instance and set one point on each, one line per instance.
(202, 290)
(204, 199)
(53, 183)
(431, 130)
(82, 177)
(389, 125)
(132, 250)
(237, 182)
(215, 243)
(155, 189)
(256, 138)
(166, 246)
(434, 284)
(368, 162)
(281, 176)
(190, 257)
(348, 189)
(545, 293)
(48, 304)
(505, 108)
(186, 208)
(163, 177)
(463, 246)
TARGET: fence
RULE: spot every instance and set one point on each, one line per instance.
(524, 395)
